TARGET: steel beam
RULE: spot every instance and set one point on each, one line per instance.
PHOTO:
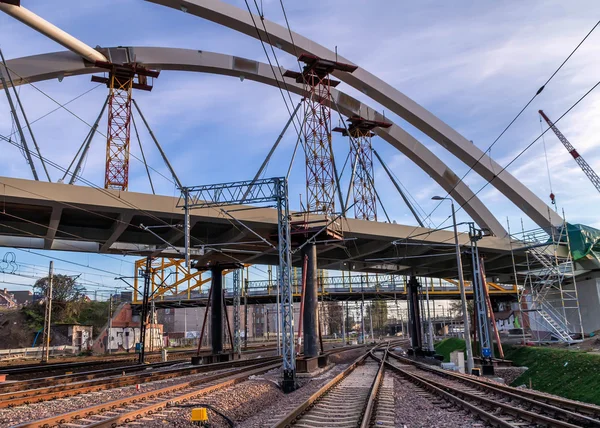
(53, 32)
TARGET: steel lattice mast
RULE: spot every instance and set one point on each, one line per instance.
(360, 131)
(320, 168)
(587, 169)
(121, 81)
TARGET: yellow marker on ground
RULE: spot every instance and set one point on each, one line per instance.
(200, 416)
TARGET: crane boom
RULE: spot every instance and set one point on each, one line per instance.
(587, 169)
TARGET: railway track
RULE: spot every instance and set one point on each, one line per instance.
(31, 371)
(499, 405)
(348, 400)
(137, 407)
(91, 369)
(30, 395)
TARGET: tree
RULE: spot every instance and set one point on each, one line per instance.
(67, 297)
(455, 308)
(333, 316)
(64, 288)
(379, 309)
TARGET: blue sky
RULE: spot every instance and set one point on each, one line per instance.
(473, 64)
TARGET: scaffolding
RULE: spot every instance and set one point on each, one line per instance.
(548, 297)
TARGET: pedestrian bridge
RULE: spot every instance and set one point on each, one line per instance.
(331, 288)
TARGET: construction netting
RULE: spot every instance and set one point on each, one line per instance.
(584, 241)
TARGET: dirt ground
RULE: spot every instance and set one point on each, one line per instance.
(13, 332)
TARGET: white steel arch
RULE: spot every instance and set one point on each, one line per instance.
(63, 64)
(237, 19)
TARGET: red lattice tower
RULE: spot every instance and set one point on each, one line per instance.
(361, 151)
(320, 172)
(121, 81)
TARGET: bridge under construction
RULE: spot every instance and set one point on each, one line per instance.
(338, 245)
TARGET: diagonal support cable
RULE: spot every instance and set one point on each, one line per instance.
(406, 201)
(86, 146)
(158, 146)
(268, 158)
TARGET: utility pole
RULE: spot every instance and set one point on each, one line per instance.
(463, 294)
(110, 309)
(147, 279)
(430, 329)
(362, 319)
(246, 312)
(48, 315)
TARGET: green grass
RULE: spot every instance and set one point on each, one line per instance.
(570, 374)
(579, 379)
(447, 346)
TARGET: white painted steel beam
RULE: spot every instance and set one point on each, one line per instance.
(51, 31)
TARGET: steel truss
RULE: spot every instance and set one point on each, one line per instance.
(121, 80)
(268, 190)
(549, 297)
(360, 131)
(117, 144)
(237, 287)
(321, 176)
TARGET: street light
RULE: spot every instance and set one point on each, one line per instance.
(463, 294)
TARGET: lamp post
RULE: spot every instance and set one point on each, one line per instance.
(463, 294)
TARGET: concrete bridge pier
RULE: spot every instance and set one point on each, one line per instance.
(216, 310)
(310, 316)
(414, 315)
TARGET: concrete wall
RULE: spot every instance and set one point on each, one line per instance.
(589, 301)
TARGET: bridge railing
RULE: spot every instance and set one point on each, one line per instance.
(362, 283)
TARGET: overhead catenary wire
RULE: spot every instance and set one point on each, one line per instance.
(529, 145)
(538, 92)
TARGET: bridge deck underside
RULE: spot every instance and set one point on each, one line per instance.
(39, 215)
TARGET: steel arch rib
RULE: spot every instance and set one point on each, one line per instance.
(62, 64)
(238, 19)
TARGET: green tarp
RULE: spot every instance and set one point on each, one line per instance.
(584, 241)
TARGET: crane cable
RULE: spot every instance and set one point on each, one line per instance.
(552, 195)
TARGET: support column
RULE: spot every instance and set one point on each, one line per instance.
(310, 316)
(414, 315)
(216, 310)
